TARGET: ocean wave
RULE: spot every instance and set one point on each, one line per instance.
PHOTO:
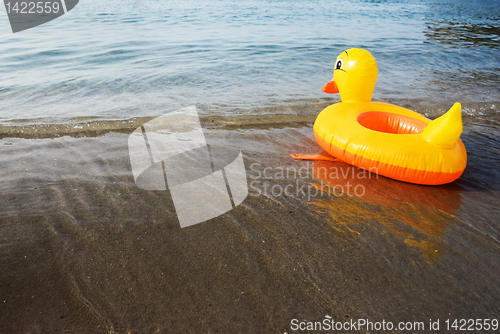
(292, 113)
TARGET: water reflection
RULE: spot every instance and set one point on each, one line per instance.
(463, 23)
(460, 58)
(418, 214)
(464, 34)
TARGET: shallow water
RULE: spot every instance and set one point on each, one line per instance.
(118, 60)
(83, 249)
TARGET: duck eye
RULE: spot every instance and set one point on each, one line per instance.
(339, 64)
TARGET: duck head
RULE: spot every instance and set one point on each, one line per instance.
(354, 76)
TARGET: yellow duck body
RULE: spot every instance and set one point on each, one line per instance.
(383, 138)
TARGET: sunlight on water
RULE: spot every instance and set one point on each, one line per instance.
(118, 60)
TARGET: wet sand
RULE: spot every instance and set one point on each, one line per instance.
(83, 250)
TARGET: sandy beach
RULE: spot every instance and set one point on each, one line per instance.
(85, 250)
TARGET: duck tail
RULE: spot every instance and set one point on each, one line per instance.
(445, 130)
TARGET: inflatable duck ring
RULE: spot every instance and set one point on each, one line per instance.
(384, 138)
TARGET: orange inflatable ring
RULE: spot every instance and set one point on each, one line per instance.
(384, 138)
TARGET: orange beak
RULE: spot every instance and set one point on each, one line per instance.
(331, 88)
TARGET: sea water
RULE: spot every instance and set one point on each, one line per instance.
(117, 60)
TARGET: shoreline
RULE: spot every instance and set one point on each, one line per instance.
(296, 116)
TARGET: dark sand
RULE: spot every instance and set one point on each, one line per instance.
(83, 250)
